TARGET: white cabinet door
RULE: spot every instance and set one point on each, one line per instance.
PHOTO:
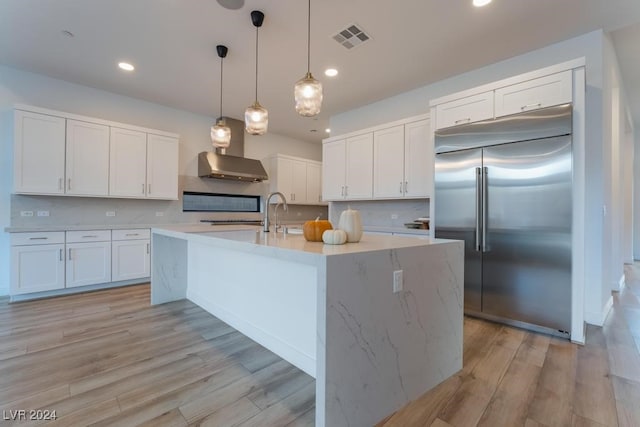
(87, 159)
(299, 182)
(128, 163)
(37, 268)
(388, 162)
(162, 167)
(280, 178)
(418, 159)
(131, 259)
(465, 110)
(359, 168)
(314, 182)
(88, 263)
(334, 163)
(38, 153)
(533, 94)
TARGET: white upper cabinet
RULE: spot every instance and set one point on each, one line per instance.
(418, 159)
(72, 155)
(162, 167)
(314, 183)
(128, 168)
(39, 153)
(465, 110)
(359, 167)
(334, 165)
(297, 178)
(87, 159)
(542, 92)
(403, 161)
(388, 158)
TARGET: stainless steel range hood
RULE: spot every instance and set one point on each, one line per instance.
(231, 165)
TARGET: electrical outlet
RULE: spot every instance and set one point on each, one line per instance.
(397, 281)
(394, 216)
(26, 213)
(43, 213)
(111, 213)
(159, 213)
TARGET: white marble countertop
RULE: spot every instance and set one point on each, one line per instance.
(252, 238)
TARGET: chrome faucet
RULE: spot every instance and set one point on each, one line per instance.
(266, 208)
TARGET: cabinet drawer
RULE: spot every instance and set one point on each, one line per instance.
(132, 234)
(533, 94)
(42, 238)
(88, 236)
(465, 110)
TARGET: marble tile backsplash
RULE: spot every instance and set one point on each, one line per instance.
(74, 211)
(382, 213)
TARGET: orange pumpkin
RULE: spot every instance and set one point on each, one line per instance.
(313, 230)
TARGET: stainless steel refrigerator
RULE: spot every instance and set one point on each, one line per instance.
(504, 186)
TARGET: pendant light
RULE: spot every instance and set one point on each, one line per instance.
(308, 91)
(220, 132)
(256, 117)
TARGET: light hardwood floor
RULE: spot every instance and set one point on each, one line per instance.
(108, 358)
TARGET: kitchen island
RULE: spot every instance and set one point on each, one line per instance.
(329, 310)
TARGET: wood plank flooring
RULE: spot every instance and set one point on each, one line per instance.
(108, 358)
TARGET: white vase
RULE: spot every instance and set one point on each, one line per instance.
(351, 223)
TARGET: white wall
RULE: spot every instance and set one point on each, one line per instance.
(21, 87)
(589, 46)
(636, 197)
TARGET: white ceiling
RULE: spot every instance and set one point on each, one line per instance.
(172, 43)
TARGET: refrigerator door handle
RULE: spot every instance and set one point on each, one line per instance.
(478, 244)
(485, 207)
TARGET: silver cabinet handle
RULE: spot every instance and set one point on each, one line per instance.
(346, 190)
(485, 207)
(342, 191)
(406, 185)
(61, 255)
(68, 183)
(89, 237)
(149, 189)
(132, 234)
(38, 238)
(529, 106)
(147, 247)
(60, 184)
(69, 254)
(400, 187)
(142, 188)
(478, 245)
(465, 120)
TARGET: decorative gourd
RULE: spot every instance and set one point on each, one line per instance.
(351, 223)
(313, 230)
(334, 237)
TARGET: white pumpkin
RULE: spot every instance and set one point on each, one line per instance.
(351, 223)
(334, 237)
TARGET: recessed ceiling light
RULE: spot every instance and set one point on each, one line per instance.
(126, 66)
(327, 130)
(480, 3)
(330, 72)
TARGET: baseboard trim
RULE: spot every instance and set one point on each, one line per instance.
(598, 319)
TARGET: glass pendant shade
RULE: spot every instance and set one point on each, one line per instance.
(256, 119)
(308, 96)
(220, 135)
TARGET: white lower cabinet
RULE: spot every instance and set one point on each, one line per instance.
(131, 257)
(50, 261)
(88, 257)
(38, 266)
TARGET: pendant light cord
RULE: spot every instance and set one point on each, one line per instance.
(309, 38)
(221, 77)
(257, 65)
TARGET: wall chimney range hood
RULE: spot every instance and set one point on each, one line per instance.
(231, 165)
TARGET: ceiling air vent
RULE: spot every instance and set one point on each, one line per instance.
(353, 35)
